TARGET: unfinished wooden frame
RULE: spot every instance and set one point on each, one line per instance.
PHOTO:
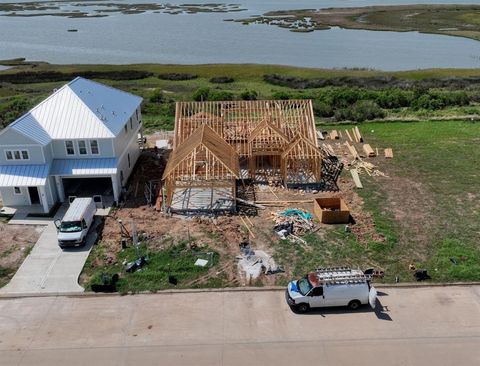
(275, 138)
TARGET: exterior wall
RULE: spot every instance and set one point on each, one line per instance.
(11, 199)
(35, 154)
(10, 136)
(51, 191)
(123, 137)
(122, 166)
(105, 147)
(12, 140)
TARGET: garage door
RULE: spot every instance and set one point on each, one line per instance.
(87, 187)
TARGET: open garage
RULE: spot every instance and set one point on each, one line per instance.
(87, 187)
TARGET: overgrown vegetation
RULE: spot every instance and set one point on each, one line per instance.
(163, 268)
(373, 94)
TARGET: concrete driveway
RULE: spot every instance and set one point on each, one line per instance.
(417, 326)
(50, 269)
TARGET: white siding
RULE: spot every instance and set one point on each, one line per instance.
(9, 136)
(134, 151)
(11, 199)
(35, 155)
(124, 138)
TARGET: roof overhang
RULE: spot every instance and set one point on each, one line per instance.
(23, 175)
(84, 167)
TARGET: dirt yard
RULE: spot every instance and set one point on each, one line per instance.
(16, 241)
(225, 233)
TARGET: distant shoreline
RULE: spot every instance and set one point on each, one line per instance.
(451, 19)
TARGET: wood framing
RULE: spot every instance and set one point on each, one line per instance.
(301, 162)
(200, 167)
(272, 139)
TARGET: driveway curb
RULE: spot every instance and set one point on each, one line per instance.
(228, 289)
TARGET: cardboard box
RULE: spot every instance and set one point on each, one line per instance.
(331, 210)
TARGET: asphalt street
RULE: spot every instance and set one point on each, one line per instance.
(411, 326)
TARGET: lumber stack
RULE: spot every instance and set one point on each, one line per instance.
(334, 135)
(369, 151)
(389, 153)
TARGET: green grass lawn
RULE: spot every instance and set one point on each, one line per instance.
(427, 209)
(176, 261)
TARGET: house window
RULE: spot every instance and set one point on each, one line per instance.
(17, 155)
(82, 147)
(121, 176)
(17, 190)
(128, 156)
(126, 128)
(136, 113)
(94, 147)
(131, 123)
(69, 147)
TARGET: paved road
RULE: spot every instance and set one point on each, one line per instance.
(423, 326)
(48, 268)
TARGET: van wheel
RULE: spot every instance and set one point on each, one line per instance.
(354, 304)
(302, 308)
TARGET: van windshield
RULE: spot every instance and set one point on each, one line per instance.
(304, 286)
(70, 226)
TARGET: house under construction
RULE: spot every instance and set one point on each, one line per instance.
(219, 145)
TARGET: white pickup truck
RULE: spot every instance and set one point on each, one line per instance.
(72, 230)
(334, 286)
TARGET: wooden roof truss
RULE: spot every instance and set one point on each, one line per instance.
(234, 121)
(301, 162)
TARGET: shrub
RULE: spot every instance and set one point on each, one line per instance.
(13, 109)
(201, 94)
(249, 95)
(219, 95)
(26, 77)
(222, 80)
(362, 110)
(157, 96)
(177, 76)
(365, 110)
(322, 109)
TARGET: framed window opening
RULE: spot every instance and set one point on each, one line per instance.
(17, 191)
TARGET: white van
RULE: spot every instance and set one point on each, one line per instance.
(73, 228)
(335, 286)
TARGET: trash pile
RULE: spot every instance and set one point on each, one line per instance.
(292, 223)
(251, 264)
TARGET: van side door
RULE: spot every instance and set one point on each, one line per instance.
(84, 228)
(316, 298)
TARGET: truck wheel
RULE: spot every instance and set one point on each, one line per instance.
(302, 308)
(354, 304)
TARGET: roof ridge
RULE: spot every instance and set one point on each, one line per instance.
(104, 85)
(37, 106)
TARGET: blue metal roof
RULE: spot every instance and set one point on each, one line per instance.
(85, 167)
(23, 175)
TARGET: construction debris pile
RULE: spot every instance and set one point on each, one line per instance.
(251, 264)
(353, 152)
(292, 223)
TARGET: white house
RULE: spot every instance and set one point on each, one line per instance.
(81, 140)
